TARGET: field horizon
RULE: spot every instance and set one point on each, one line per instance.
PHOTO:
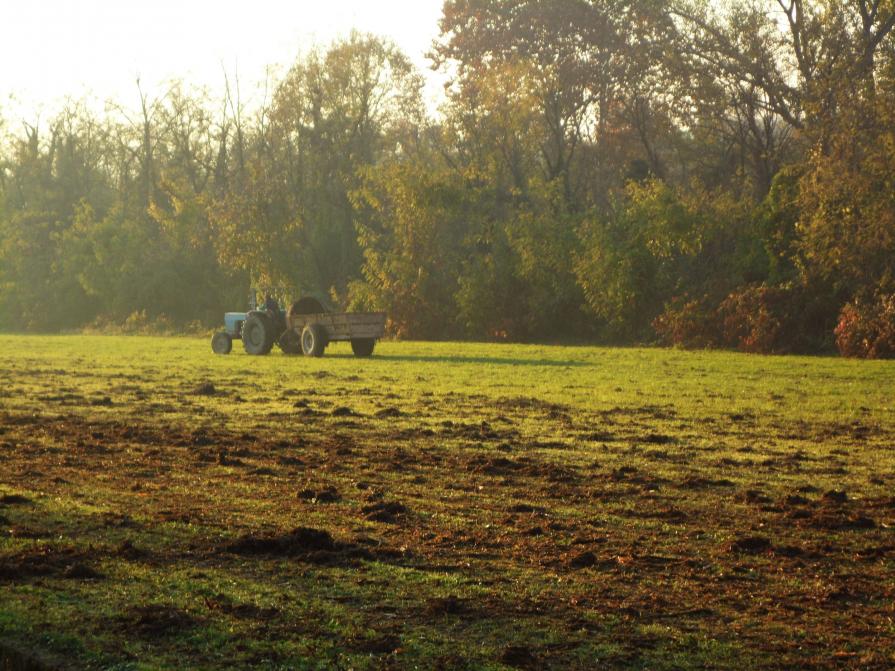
(443, 505)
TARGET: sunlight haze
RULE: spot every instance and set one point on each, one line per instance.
(96, 49)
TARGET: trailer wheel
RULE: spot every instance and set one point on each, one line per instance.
(221, 343)
(313, 340)
(256, 335)
(290, 342)
(363, 346)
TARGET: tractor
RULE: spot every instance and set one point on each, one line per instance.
(307, 327)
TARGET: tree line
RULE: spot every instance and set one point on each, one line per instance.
(601, 170)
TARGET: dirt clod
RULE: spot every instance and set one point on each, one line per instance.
(623, 473)
(657, 439)
(328, 495)
(387, 512)
(243, 611)
(583, 560)
(128, 550)
(14, 500)
(788, 551)
(325, 495)
(755, 496)
(300, 541)
(519, 657)
(449, 605)
(289, 461)
(673, 515)
(38, 561)
(525, 508)
(315, 546)
(79, 571)
(388, 413)
(382, 645)
(697, 482)
(752, 545)
(157, 621)
(205, 389)
(835, 497)
(493, 466)
(835, 522)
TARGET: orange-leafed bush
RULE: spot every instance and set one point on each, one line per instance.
(749, 320)
(689, 323)
(764, 319)
(866, 329)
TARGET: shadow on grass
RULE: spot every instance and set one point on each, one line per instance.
(497, 361)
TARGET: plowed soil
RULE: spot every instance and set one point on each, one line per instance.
(394, 514)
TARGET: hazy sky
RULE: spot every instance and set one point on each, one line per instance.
(96, 49)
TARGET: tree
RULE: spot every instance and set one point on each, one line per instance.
(659, 246)
(45, 179)
(412, 232)
(334, 113)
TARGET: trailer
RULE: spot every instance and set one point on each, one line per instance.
(311, 333)
(306, 328)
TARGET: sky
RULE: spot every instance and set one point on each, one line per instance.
(96, 49)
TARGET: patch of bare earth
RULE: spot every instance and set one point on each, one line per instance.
(611, 525)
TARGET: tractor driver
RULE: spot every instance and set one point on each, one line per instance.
(271, 305)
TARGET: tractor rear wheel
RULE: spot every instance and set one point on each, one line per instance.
(313, 340)
(363, 347)
(257, 338)
(221, 343)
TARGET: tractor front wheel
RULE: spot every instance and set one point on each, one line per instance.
(256, 335)
(313, 340)
(221, 343)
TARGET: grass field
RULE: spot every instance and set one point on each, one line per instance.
(443, 506)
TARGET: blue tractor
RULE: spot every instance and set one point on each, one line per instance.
(263, 326)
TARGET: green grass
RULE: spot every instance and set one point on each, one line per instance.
(563, 507)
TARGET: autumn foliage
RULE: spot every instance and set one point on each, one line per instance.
(867, 328)
(620, 172)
